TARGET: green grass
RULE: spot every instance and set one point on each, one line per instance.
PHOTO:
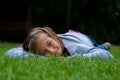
(57, 68)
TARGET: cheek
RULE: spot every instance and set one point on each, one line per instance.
(40, 47)
(60, 47)
(57, 44)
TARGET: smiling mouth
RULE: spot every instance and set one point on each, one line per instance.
(56, 51)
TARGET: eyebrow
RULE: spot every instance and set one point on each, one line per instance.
(47, 42)
(42, 52)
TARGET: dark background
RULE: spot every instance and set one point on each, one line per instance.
(97, 18)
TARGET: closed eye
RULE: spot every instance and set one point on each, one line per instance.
(49, 44)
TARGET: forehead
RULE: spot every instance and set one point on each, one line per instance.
(41, 41)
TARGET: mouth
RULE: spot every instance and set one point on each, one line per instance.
(56, 52)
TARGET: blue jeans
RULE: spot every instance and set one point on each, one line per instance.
(96, 44)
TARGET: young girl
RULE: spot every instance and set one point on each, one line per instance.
(45, 42)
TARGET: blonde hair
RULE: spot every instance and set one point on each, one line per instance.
(30, 43)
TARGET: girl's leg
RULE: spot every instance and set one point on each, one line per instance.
(105, 46)
(97, 52)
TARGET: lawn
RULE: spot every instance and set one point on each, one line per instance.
(58, 68)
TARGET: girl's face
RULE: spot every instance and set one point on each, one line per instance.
(48, 46)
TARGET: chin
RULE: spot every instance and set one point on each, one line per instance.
(59, 53)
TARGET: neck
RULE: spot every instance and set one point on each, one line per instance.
(65, 52)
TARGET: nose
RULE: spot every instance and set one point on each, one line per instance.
(50, 50)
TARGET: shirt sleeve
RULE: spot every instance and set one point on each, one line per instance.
(19, 52)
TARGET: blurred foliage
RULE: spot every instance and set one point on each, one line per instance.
(98, 18)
